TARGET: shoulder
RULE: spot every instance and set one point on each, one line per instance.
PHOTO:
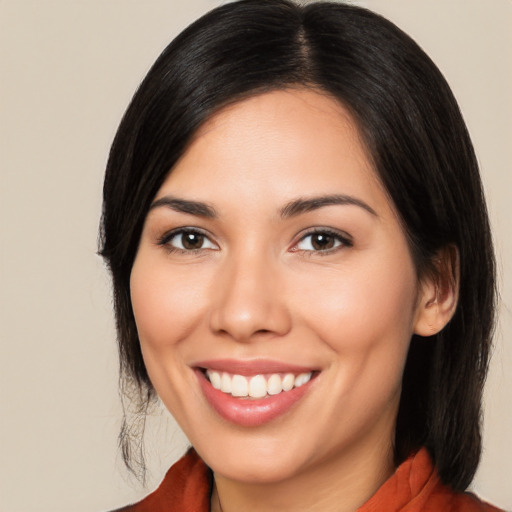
(186, 486)
(416, 487)
(453, 501)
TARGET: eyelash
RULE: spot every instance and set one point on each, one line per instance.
(343, 239)
(164, 241)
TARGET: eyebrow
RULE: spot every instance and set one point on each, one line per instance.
(186, 206)
(291, 209)
(304, 205)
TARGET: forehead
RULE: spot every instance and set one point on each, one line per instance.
(281, 144)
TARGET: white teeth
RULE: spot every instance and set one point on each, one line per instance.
(301, 379)
(274, 385)
(239, 386)
(215, 379)
(225, 383)
(256, 386)
(288, 381)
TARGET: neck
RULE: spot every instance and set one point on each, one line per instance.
(341, 484)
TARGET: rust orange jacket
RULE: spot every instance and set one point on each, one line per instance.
(414, 487)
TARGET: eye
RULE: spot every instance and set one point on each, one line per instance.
(322, 241)
(187, 240)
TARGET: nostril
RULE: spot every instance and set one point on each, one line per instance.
(245, 314)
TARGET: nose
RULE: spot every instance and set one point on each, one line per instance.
(247, 303)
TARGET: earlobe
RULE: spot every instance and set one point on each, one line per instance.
(439, 293)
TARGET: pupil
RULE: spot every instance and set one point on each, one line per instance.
(192, 240)
(322, 242)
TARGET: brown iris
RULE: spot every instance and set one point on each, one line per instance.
(191, 240)
(322, 241)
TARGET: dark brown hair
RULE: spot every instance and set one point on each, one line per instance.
(421, 150)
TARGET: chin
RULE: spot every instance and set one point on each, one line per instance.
(255, 459)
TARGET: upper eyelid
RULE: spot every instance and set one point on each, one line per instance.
(182, 229)
(168, 235)
(345, 239)
(341, 235)
(319, 230)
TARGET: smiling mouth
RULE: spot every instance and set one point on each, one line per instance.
(256, 386)
(250, 394)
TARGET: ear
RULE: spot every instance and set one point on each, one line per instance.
(439, 293)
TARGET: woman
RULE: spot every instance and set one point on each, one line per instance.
(302, 265)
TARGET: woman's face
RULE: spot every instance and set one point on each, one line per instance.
(272, 251)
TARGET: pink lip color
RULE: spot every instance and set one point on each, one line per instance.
(255, 367)
(250, 412)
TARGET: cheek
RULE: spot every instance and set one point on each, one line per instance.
(167, 305)
(364, 309)
(365, 318)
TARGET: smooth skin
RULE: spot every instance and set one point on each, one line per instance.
(328, 286)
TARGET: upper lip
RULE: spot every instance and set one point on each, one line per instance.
(254, 367)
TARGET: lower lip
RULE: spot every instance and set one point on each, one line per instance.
(250, 412)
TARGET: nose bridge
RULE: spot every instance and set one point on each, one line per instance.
(247, 301)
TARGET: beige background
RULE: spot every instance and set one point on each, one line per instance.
(67, 71)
